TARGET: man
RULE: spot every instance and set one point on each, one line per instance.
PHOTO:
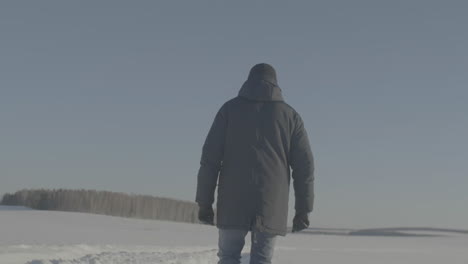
(254, 141)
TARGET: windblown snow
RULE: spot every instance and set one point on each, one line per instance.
(50, 237)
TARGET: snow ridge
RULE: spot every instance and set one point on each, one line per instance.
(123, 257)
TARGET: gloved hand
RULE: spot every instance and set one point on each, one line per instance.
(300, 222)
(206, 215)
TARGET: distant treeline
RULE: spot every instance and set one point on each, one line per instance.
(104, 202)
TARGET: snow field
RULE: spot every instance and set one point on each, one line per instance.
(49, 237)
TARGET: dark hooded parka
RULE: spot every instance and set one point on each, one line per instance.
(254, 142)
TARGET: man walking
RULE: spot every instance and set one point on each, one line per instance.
(254, 141)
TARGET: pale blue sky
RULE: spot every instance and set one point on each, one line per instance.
(119, 95)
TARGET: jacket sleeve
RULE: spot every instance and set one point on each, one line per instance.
(302, 164)
(211, 159)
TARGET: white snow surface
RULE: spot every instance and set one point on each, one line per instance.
(51, 237)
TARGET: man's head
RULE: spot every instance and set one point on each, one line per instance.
(261, 84)
(263, 71)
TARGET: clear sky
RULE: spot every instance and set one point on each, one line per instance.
(119, 95)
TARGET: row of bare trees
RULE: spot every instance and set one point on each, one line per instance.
(104, 202)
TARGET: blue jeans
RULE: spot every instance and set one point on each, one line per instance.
(231, 242)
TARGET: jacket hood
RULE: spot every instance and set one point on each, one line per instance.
(261, 85)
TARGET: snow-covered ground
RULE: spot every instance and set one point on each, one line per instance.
(39, 237)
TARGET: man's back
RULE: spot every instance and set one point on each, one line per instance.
(254, 140)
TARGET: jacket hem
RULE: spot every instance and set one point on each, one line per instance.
(261, 229)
